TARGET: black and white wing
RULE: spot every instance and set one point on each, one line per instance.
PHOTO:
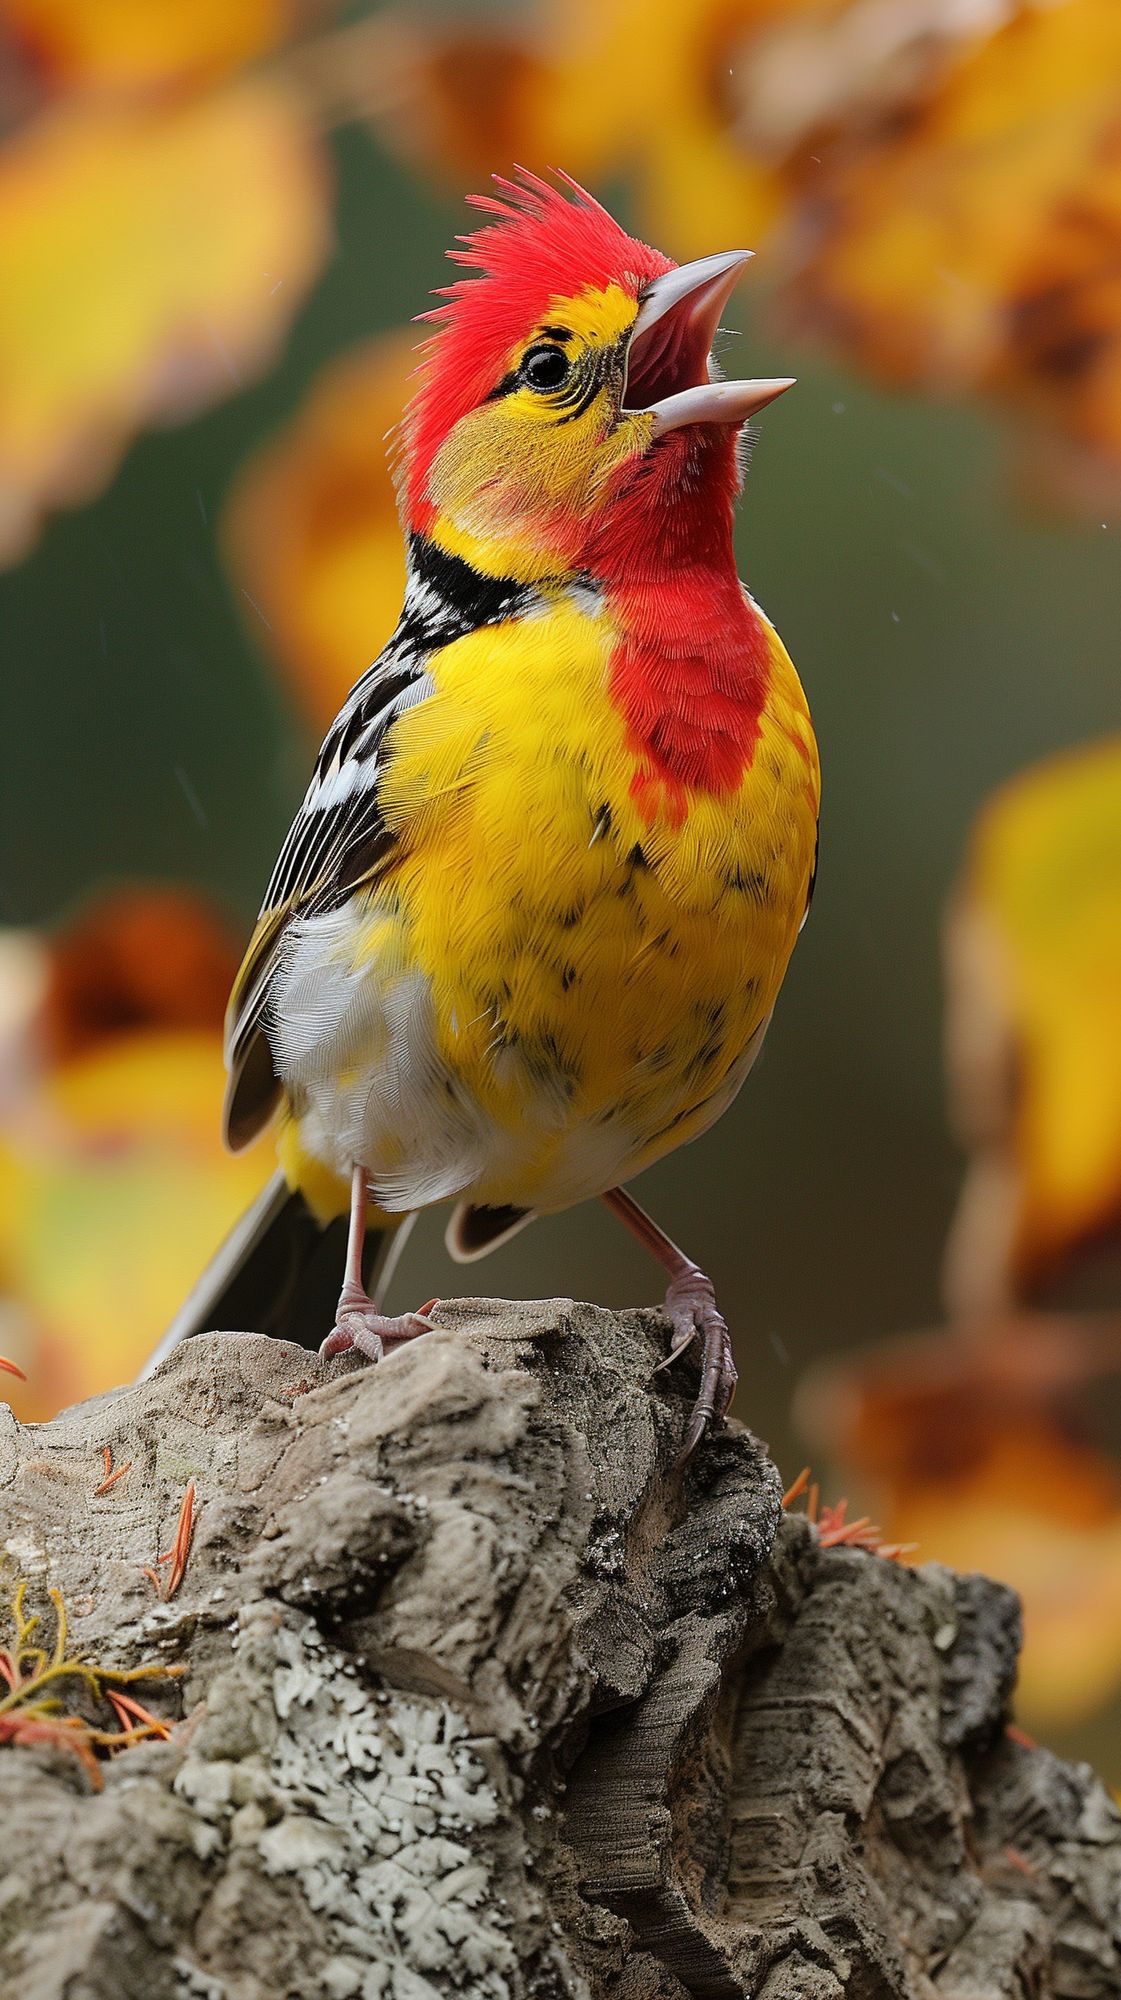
(337, 840)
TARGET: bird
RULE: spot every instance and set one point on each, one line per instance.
(528, 927)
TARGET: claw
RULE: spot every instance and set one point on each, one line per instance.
(360, 1327)
(358, 1323)
(692, 1309)
(677, 1346)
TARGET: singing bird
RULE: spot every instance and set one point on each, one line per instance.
(528, 928)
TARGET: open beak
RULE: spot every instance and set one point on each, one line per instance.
(670, 352)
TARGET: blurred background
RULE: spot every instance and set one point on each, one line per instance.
(217, 218)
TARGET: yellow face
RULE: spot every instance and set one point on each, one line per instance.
(517, 480)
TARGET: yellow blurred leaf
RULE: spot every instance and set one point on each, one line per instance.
(151, 261)
(1033, 955)
(978, 241)
(975, 1451)
(114, 1185)
(311, 528)
(107, 1219)
(126, 45)
(1047, 1518)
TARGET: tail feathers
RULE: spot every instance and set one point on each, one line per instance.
(278, 1272)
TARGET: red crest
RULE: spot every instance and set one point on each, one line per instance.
(547, 243)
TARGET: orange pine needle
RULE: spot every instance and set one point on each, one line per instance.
(857, 1534)
(180, 1549)
(834, 1528)
(112, 1473)
(67, 1733)
(183, 1534)
(129, 1712)
(1017, 1735)
(1020, 1862)
(33, 1712)
(12, 1367)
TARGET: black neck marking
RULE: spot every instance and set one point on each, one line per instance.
(445, 597)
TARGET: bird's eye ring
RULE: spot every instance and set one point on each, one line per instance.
(545, 367)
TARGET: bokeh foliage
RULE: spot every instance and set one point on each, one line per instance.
(226, 225)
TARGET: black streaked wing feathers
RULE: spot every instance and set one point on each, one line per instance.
(337, 839)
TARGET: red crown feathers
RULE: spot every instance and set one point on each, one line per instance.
(547, 244)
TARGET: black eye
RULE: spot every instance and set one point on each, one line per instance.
(545, 367)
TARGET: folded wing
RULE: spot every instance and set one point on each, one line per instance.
(337, 841)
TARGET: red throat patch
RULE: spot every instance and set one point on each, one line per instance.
(690, 678)
(691, 669)
(546, 243)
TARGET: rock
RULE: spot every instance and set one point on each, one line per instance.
(485, 1696)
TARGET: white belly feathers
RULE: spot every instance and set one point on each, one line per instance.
(354, 1041)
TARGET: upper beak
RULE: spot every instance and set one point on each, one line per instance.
(668, 359)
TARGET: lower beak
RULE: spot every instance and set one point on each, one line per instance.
(669, 360)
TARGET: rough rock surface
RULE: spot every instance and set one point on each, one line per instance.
(485, 1697)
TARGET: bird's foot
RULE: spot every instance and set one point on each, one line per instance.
(691, 1309)
(359, 1325)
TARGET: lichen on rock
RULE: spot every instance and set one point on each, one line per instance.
(370, 1804)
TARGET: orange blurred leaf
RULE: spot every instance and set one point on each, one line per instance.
(1033, 957)
(151, 261)
(648, 87)
(967, 1449)
(311, 528)
(127, 45)
(136, 958)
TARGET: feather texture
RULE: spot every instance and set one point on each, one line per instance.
(338, 838)
(528, 927)
(515, 1007)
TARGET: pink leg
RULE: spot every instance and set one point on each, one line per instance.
(358, 1323)
(691, 1309)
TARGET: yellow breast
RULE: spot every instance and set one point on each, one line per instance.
(582, 960)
